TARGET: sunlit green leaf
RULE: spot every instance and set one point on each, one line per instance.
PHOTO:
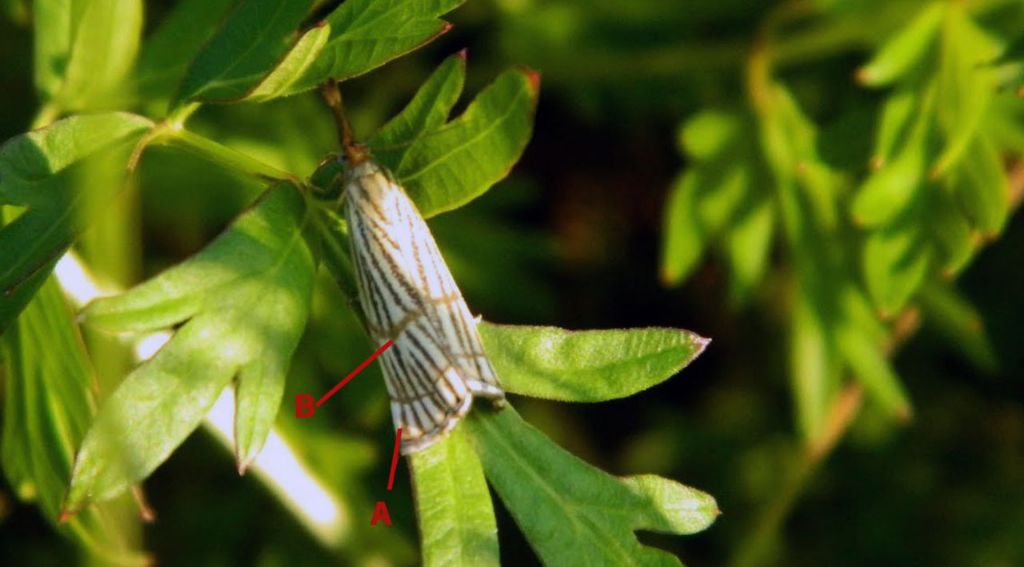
(906, 49)
(572, 513)
(965, 84)
(453, 506)
(84, 50)
(242, 304)
(586, 366)
(891, 189)
(980, 185)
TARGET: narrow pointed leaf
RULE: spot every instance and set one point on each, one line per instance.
(452, 165)
(427, 111)
(365, 34)
(684, 235)
(453, 505)
(586, 366)
(255, 37)
(904, 50)
(243, 301)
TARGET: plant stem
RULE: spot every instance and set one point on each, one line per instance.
(221, 154)
(354, 152)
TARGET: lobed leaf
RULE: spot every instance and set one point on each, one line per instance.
(453, 505)
(586, 366)
(242, 304)
(573, 513)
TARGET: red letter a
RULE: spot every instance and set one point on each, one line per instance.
(380, 513)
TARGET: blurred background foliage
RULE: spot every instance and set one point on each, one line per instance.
(827, 188)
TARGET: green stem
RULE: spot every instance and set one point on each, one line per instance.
(223, 155)
(47, 114)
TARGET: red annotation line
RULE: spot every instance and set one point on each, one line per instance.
(394, 458)
(352, 375)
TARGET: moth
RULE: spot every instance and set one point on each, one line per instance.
(437, 365)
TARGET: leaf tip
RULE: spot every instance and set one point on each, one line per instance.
(533, 77)
(463, 54)
(243, 465)
(668, 277)
(700, 343)
(66, 515)
(862, 76)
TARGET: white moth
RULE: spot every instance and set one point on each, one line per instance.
(437, 363)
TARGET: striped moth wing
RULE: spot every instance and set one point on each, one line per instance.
(437, 364)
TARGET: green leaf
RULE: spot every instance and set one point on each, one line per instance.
(951, 232)
(38, 170)
(52, 25)
(573, 513)
(453, 505)
(84, 50)
(427, 111)
(684, 241)
(48, 402)
(586, 366)
(303, 55)
(872, 368)
(906, 50)
(242, 304)
(749, 246)
(896, 260)
(167, 52)
(959, 322)
(452, 165)
(980, 185)
(814, 370)
(255, 37)
(710, 133)
(365, 34)
(890, 190)
(896, 124)
(966, 85)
